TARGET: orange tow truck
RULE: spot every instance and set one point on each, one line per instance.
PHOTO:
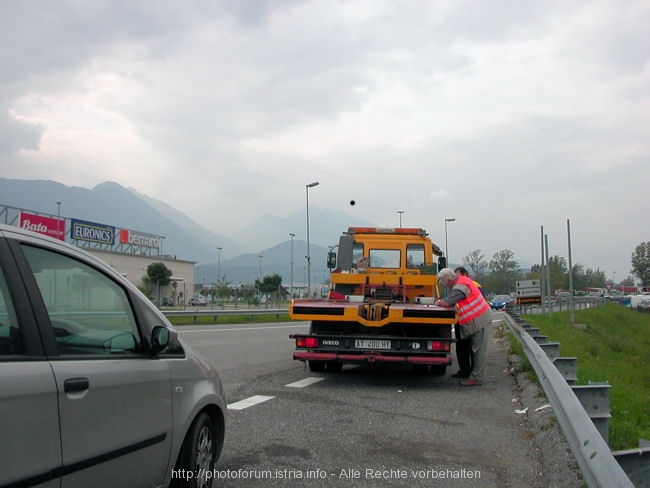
(380, 306)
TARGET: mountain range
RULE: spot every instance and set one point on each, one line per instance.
(112, 204)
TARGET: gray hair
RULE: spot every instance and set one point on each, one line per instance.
(446, 275)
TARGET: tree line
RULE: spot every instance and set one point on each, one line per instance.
(500, 274)
(497, 276)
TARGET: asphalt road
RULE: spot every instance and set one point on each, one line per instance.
(367, 426)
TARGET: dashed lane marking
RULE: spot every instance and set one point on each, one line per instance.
(257, 399)
(249, 402)
(306, 382)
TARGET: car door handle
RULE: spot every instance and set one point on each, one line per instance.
(73, 385)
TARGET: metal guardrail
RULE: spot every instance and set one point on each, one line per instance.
(252, 312)
(579, 303)
(598, 466)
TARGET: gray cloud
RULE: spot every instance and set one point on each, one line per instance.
(506, 115)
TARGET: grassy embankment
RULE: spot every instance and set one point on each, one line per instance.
(613, 346)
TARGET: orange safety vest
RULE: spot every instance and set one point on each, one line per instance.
(473, 305)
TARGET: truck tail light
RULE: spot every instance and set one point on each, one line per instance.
(308, 342)
(442, 346)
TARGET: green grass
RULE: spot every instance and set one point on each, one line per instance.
(225, 319)
(613, 346)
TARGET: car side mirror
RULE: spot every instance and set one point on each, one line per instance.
(161, 337)
(442, 262)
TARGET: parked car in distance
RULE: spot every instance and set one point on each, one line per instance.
(96, 387)
(198, 302)
(164, 302)
(563, 296)
(499, 302)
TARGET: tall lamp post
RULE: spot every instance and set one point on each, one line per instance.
(58, 221)
(307, 187)
(292, 235)
(259, 277)
(400, 212)
(219, 249)
(446, 249)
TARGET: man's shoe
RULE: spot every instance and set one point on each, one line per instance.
(470, 382)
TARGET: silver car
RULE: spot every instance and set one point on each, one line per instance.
(96, 389)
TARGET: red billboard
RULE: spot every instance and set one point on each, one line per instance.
(43, 225)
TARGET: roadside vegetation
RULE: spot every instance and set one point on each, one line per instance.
(611, 343)
(228, 319)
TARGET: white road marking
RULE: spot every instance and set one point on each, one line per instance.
(306, 382)
(249, 402)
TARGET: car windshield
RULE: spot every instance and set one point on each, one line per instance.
(500, 298)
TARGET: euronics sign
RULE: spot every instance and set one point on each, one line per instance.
(82, 230)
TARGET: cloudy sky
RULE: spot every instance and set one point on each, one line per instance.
(505, 115)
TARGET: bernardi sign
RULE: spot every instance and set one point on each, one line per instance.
(43, 225)
(139, 239)
(82, 230)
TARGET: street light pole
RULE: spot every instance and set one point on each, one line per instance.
(292, 235)
(218, 273)
(307, 187)
(400, 212)
(446, 249)
(58, 221)
(219, 249)
(259, 278)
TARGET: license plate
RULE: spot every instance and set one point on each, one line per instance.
(371, 344)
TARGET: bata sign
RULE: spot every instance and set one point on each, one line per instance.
(43, 225)
(139, 239)
(92, 232)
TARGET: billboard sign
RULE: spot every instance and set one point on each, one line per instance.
(139, 239)
(48, 226)
(82, 230)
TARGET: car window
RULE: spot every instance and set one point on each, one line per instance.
(414, 255)
(384, 258)
(11, 341)
(89, 312)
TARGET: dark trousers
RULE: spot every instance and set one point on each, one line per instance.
(463, 354)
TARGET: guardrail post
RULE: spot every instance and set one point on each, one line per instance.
(540, 339)
(594, 398)
(636, 463)
(552, 349)
(568, 367)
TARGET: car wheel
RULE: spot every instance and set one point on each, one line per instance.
(200, 451)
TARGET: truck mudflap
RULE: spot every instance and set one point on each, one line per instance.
(370, 357)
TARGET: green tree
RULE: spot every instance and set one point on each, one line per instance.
(504, 272)
(579, 277)
(595, 279)
(159, 274)
(223, 288)
(641, 263)
(558, 270)
(269, 284)
(475, 260)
